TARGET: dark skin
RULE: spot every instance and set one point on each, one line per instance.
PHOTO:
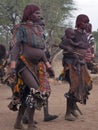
(26, 75)
(80, 35)
(68, 41)
(68, 44)
(35, 17)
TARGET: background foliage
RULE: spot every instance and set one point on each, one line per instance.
(57, 15)
(53, 11)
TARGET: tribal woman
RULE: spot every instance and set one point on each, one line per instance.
(77, 75)
(25, 56)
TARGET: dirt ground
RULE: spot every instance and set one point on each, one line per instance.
(57, 105)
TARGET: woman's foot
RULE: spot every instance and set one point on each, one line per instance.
(33, 127)
(25, 120)
(70, 117)
(74, 113)
(18, 126)
(50, 117)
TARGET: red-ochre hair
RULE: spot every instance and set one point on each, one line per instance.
(28, 11)
(82, 18)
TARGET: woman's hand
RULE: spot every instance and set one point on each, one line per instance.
(51, 72)
(12, 72)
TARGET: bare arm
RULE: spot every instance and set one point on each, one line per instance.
(65, 47)
(15, 54)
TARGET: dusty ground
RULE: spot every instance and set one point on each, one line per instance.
(57, 105)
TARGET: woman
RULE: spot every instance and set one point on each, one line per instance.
(43, 81)
(25, 56)
(77, 75)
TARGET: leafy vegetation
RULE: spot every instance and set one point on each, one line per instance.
(55, 13)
